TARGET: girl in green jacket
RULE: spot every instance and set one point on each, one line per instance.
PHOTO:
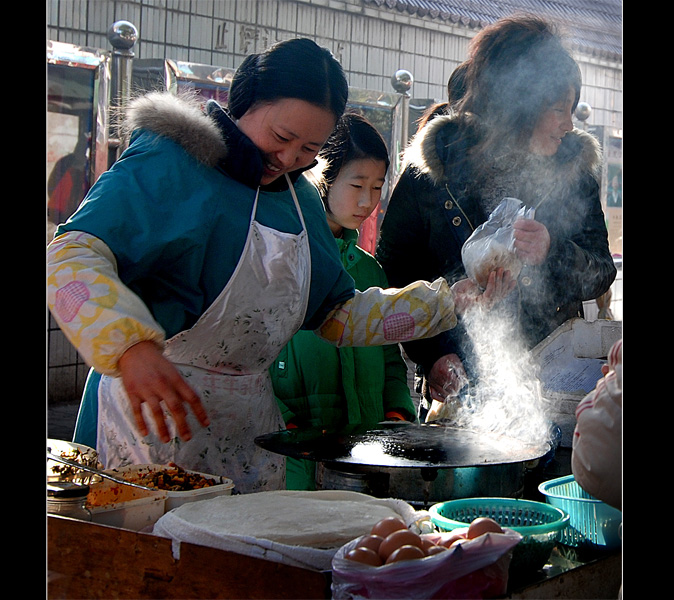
(318, 386)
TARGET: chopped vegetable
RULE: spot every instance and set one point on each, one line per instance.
(174, 479)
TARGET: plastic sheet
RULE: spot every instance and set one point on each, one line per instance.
(491, 245)
(206, 523)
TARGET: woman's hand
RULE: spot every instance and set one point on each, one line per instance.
(446, 378)
(467, 293)
(532, 241)
(149, 377)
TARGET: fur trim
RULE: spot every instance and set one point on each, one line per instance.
(582, 148)
(590, 154)
(181, 119)
(421, 153)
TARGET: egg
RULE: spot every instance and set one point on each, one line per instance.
(435, 549)
(427, 544)
(448, 540)
(482, 525)
(371, 541)
(406, 552)
(462, 531)
(402, 537)
(365, 556)
(387, 526)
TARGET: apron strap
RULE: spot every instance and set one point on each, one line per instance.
(292, 193)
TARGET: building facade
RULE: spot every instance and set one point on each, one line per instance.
(371, 38)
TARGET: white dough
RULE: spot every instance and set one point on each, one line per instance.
(321, 519)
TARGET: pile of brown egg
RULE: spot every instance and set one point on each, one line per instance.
(391, 541)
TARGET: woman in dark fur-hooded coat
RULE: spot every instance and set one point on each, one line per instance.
(511, 135)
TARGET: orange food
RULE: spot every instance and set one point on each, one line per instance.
(406, 552)
(172, 478)
(387, 526)
(482, 525)
(395, 540)
(365, 556)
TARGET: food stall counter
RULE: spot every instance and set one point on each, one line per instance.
(90, 560)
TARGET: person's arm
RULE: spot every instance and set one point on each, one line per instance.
(98, 314)
(114, 331)
(580, 265)
(150, 378)
(377, 316)
(596, 458)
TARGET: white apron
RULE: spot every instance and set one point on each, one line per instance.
(225, 358)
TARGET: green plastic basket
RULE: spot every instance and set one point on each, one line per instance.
(539, 524)
(592, 523)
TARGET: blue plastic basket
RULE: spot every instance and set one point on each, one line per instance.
(540, 524)
(591, 521)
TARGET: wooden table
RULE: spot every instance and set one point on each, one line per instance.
(88, 560)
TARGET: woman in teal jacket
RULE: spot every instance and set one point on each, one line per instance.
(317, 385)
(199, 254)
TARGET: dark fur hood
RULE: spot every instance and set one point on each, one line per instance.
(578, 152)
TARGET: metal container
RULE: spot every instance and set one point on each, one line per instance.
(425, 486)
(68, 499)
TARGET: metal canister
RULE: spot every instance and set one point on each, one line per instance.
(68, 500)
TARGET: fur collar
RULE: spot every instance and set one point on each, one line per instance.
(181, 119)
(579, 150)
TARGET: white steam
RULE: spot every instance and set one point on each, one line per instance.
(504, 398)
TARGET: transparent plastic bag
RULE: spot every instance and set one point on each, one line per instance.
(475, 569)
(491, 245)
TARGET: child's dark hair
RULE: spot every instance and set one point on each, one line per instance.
(296, 68)
(354, 138)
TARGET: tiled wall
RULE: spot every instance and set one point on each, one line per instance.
(370, 43)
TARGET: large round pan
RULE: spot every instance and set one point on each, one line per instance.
(404, 445)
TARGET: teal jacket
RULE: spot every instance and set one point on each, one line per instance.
(321, 387)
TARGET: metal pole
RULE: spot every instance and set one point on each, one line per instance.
(122, 35)
(402, 81)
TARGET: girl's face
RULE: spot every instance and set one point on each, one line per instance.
(355, 193)
(553, 125)
(288, 132)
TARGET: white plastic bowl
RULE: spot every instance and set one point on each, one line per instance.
(108, 495)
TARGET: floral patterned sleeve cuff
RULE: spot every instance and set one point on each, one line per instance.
(98, 314)
(377, 316)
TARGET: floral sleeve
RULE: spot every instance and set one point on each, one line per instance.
(378, 316)
(98, 314)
